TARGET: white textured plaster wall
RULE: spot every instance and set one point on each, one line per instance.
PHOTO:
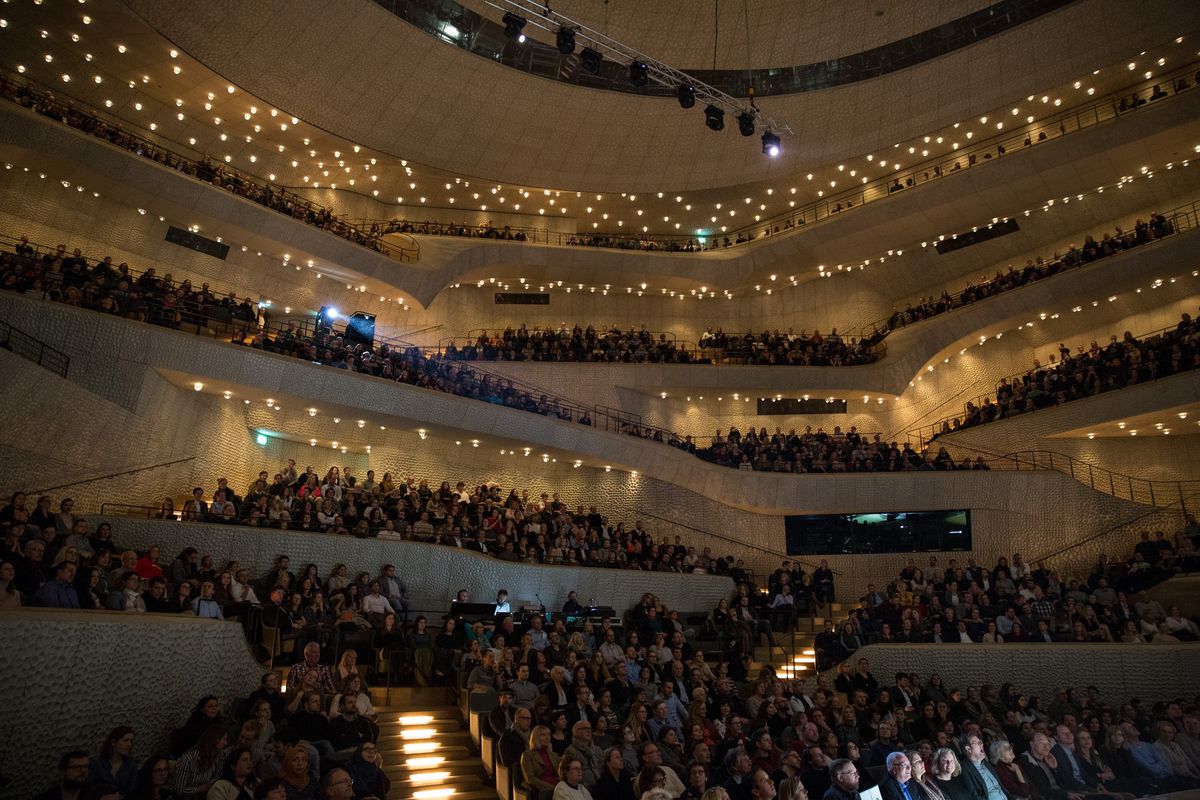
(74, 676)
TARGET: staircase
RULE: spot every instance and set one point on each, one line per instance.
(795, 656)
(426, 753)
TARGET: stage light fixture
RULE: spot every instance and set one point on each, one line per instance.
(746, 123)
(566, 40)
(770, 143)
(638, 73)
(514, 27)
(686, 94)
(591, 59)
(714, 118)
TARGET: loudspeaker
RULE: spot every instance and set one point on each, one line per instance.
(360, 328)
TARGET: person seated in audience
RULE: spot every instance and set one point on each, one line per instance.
(199, 768)
(10, 595)
(114, 766)
(366, 773)
(237, 779)
(349, 728)
(72, 782)
(843, 781)
(539, 764)
(59, 592)
(312, 663)
(296, 776)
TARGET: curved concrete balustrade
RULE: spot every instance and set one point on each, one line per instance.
(1120, 671)
(433, 573)
(108, 669)
(1057, 168)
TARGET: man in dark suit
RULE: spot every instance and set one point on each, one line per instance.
(500, 718)
(844, 781)
(516, 739)
(1066, 769)
(899, 785)
(977, 774)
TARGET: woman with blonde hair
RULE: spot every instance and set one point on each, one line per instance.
(636, 720)
(539, 764)
(921, 776)
(947, 774)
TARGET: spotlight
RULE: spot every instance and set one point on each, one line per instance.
(686, 94)
(714, 118)
(746, 123)
(770, 143)
(591, 59)
(566, 40)
(638, 73)
(513, 27)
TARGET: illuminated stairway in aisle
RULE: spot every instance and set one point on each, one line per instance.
(426, 751)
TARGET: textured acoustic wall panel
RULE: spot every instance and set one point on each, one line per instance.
(71, 677)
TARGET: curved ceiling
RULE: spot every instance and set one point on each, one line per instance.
(377, 80)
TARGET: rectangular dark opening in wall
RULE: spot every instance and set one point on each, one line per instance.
(786, 406)
(194, 241)
(891, 532)
(522, 299)
(957, 242)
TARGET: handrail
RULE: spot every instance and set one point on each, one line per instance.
(23, 344)
(766, 550)
(1182, 510)
(226, 319)
(1096, 477)
(460, 26)
(84, 118)
(110, 475)
(1133, 97)
(950, 423)
(1182, 218)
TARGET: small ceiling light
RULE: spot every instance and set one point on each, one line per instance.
(686, 93)
(591, 60)
(514, 27)
(746, 123)
(714, 118)
(770, 144)
(197, 386)
(566, 40)
(639, 73)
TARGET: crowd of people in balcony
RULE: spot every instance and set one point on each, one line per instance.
(485, 230)
(1110, 243)
(611, 345)
(115, 289)
(819, 451)
(948, 602)
(1120, 363)
(205, 169)
(512, 526)
(787, 349)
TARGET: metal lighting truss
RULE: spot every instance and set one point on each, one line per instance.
(540, 15)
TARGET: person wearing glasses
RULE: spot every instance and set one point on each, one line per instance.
(843, 780)
(366, 771)
(338, 785)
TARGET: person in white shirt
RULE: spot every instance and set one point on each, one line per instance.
(502, 606)
(241, 591)
(376, 603)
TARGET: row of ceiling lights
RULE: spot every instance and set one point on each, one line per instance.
(400, 199)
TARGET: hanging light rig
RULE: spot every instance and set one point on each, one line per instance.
(642, 70)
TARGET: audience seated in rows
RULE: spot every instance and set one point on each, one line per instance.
(1015, 603)
(246, 186)
(1111, 243)
(571, 344)
(1119, 364)
(787, 349)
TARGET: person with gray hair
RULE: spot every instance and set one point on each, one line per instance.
(843, 780)
(899, 783)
